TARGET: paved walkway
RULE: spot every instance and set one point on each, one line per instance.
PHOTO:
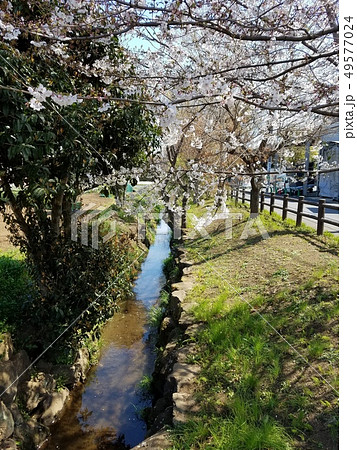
(309, 209)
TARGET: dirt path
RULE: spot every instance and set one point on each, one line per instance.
(5, 244)
(92, 197)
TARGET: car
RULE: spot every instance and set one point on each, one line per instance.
(298, 188)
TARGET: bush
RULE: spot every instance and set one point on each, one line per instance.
(17, 291)
(83, 286)
(171, 270)
(68, 295)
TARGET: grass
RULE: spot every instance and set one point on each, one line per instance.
(146, 385)
(255, 390)
(17, 290)
(157, 312)
(170, 268)
(155, 316)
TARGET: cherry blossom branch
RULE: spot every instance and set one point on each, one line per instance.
(308, 60)
(202, 23)
(244, 66)
(317, 109)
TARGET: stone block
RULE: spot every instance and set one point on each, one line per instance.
(6, 422)
(182, 285)
(36, 389)
(158, 441)
(53, 405)
(8, 381)
(185, 376)
(6, 347)
(184, 407)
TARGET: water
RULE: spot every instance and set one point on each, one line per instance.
(103, 413)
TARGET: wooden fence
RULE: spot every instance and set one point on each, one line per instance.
(241, 194)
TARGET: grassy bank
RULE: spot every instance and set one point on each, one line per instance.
(97, 281)
(16, 289)
(269, 343)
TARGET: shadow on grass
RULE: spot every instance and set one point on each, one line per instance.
(246, 362)
(245, 359)
(218, 232)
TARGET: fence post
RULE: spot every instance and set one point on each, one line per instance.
(272, 200)
(285, 205)
(320, 217)
(300, 209)
(262, 201)
(236, 196)
(232, 191)
(243, 195)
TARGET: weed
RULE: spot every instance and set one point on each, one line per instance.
(146, 385)
(17, 291)
(64, 355)
(164, 298)
(333, 425)
(155, 316)
(22, 408)
(317, 347)
(93, 343)
(281, 273)
(299, 424)
(61, 382)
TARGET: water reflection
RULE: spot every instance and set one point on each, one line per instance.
(107, 408)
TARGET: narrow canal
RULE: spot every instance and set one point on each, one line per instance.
(105, 412)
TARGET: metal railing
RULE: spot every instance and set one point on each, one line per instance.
(285, 207)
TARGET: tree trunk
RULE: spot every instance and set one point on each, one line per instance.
(184, 214)
(67, 210)
(219, 194)
(119, 191)
(56, 213)
(254, 195)
(20, 220)
(57, 208)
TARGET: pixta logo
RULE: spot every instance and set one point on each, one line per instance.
(90, 217)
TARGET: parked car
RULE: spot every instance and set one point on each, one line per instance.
(297, 188)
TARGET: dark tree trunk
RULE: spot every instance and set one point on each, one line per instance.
(170, 214)
(219, 193)
(184, 214)
(67, 210)
(57, 208)
(254, 195)
(56, 213)
(16, 209)
(119, 192)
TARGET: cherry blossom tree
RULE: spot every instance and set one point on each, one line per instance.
(54, 145)
(261, 53)
(273, 57)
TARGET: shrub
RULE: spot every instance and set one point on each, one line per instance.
(83, 286)
(17, 291)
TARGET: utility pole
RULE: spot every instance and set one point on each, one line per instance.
(307, 160)
(276, 165)
(267, 189)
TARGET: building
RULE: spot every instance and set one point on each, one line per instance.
(328, 183)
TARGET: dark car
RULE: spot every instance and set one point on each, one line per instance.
(298, 187)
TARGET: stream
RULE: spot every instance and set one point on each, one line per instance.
(104, 413)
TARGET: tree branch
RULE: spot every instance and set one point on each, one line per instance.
(15, 207)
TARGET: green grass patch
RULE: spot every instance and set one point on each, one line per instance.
(17, 290)
(258, 299)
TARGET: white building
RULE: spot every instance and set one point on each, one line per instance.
(328, 183)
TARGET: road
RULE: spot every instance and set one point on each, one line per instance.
(309, 209)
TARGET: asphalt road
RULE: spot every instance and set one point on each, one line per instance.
(309, 209)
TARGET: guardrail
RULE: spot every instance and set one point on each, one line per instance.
(321, 207)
